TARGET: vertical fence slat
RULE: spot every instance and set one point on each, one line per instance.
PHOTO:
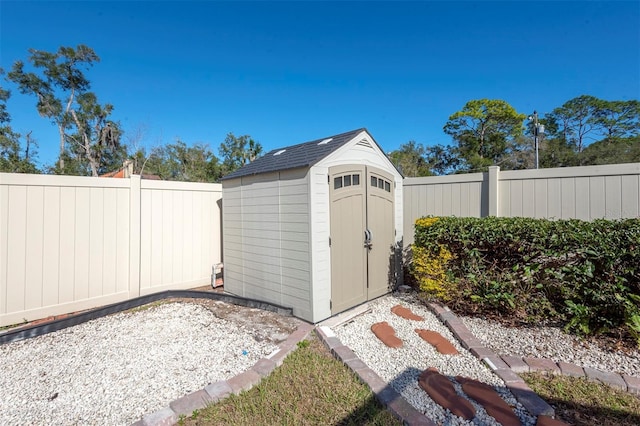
(34, 255)
(16, 247)
(135, 212)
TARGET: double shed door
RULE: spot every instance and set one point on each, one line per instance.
(362, 234)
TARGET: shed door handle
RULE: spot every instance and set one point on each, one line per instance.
(368, 236)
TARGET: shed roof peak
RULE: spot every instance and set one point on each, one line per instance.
(304, 154)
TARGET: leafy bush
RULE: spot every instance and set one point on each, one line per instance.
(585, 275)
(429, 271)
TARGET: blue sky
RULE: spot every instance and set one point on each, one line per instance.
(289, 72)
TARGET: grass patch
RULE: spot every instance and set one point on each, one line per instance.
(7, 327)
(310, 388)
(582, 402)
(148, 306)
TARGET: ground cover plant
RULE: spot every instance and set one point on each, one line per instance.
(310, 388)
(584, 403)
(583, 275)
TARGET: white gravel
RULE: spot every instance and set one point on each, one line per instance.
(552, 343)
(113, 370)
(401, 367)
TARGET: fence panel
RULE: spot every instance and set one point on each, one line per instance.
(74, 243)
(456, 195)
(180, 234)
(587, 193)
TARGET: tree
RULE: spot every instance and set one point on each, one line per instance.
(612, 151)
(556, 152)
(12, 160)
(485, 130)
(409, 158)
(63, 96)
(180, 162)
(238, 151)
(575, 119)
(617, 119)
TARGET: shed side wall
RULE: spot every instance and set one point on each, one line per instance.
(266, 239)
(295, 242)
(232, 236)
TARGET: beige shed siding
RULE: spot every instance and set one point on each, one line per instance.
(266, 239)
(72, 243)
(232, 236)
(261, 240)
(294, 249)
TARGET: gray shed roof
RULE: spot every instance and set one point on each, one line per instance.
(302, 155)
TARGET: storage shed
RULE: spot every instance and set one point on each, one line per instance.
(315, 226)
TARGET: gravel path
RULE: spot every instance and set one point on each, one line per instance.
(113, 370)
(401, 367)
(552, 343)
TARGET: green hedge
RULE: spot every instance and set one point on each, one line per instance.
(585, 275)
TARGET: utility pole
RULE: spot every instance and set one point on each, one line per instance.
(538, 129)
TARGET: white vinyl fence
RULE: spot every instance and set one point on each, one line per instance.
(74, 243)
(590, 192)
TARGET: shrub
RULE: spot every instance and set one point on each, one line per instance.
(583, 274)
(429, 270)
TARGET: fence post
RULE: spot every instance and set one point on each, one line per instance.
(494, 196)
(134, 236)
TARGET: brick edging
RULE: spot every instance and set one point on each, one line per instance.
(388, 396)
(509, 366)
(218, 391)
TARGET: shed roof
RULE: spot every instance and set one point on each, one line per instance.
(301, 155)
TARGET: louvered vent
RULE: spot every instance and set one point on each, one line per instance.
(365, 143)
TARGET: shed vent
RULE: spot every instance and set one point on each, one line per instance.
(365, 143)
(326, 141)
(279, 152)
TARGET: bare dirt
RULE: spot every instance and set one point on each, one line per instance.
(262, 325)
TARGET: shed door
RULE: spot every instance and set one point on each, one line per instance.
(347, 194)
(382, 228)
(362, 234)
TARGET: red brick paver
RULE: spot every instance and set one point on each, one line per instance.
(572, 370)
(542, 365)
(244, 381)
(438, 341)
(406, 313)
(441, 390)
(606, 377)
(530, 400)
(490, 400)
(386, 334)
(188, 403)
(516, 364)
(633, 384)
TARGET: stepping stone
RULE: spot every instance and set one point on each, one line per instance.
(441, 390)
(549, 421)
(386, 334)
(490, 400)
(438, 341)
(406, 313)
